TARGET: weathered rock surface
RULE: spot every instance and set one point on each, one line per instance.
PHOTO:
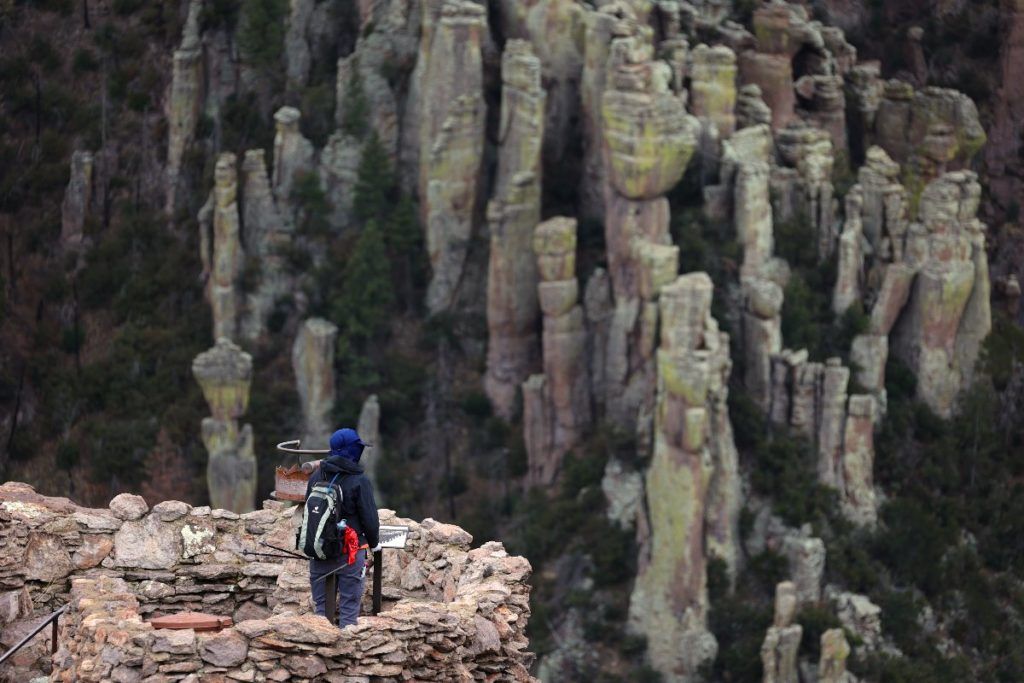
(368, 428)
(77, 198)
(782, 642)
(513, 214)
(834, 652)
(948, 312)
(313, 364)
(225, 374)
(184, 105)
(267, 235)
(293, 156)
(221, 248)
(557, 403)
(648, 142)
(451, 128)
(669, 600)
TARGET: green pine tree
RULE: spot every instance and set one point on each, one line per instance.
(367, 296)
(355, 112)
(261, 37)
(375, 184)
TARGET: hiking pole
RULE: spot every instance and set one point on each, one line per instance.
(283, 550)
(283, 557)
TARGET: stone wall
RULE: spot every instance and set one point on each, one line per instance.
(450, 612)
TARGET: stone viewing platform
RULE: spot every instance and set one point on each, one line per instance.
(450, 613)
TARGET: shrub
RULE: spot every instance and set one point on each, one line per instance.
(261, 37)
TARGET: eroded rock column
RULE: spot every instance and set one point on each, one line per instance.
(313, 364)
(225, 373)
(782, 642)
(186, 98)
(293, 156)
(513, 214)
(451, 142)
(669, 601)
(939, 333)
(648, 141)
(557, 406)
(266, 236)
(221, 248)
(77, 196)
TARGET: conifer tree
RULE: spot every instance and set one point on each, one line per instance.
(375, 183)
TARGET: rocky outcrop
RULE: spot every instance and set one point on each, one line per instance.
(77, 197)
(267, 235)
(947, 314)
(556, 405)
(451, 128)
(221, 249)
(293, 156)
(762, 336)
(781, 643)
(555, 29)
(781, 31)
(751, 109)
(648, 142)
(669, 600)
(184, 104)
(857, 494)
(602, 26)
(313, 364)
(859, 617)
(224, 374)
(929, 131)
(834, 652)
(513, 214)
(450, 612)
(712, 99)
(296, 45)
(368, 428)
(802, 186)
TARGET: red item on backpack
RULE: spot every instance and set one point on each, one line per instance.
(350, 545)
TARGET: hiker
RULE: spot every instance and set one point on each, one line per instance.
(358, 509)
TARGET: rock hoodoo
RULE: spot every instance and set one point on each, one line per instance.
(313, 364)
(225, 374)
(556, 404)
(513, 214)
(221, 248)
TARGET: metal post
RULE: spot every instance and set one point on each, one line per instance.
(378, 568)
(331, 598)
(53, 634)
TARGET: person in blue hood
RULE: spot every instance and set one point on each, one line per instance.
(359, 510)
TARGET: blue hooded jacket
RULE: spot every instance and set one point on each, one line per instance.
(346, 443)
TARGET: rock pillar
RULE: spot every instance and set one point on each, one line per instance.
(513, 214)
(293, 156)
(186, 98)
(368, 428)
(857, 497)
(225, 373)
(77, 197)
(557, 404)
(221, 248)
(266, 236)
(939, 333)
(834, 652)
(648, 142)
(451, 141)
(313, 364)
(669, 601)
(782, 642)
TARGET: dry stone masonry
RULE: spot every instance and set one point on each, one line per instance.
(450, 612)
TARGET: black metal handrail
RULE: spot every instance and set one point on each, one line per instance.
(52, 619)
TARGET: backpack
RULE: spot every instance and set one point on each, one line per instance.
(318, 537)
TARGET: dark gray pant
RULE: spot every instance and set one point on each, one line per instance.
(350, 586)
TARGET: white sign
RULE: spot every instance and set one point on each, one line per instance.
(393, 536)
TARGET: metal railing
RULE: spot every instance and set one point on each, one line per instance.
(52, 619)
